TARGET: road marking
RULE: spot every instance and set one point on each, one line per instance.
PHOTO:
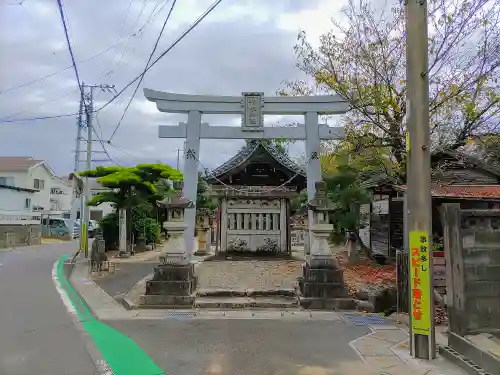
(64, 297)
(121, 355)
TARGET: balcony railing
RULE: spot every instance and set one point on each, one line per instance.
(19, 217)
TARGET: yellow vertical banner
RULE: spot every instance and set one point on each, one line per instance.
(407, 141)
(83, 236)
(420, 283)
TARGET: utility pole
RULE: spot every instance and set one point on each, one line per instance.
(179, 155)
(422, 338)
(86, 212)
(76, 169)
(89, 111)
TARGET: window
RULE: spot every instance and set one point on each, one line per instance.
(38, 184)
(27, 203)
(9, 181)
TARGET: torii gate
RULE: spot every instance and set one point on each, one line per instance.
(252, 107)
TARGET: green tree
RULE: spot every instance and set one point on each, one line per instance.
(130, 187)
(344, 190)
(362, 59)
(204, 198)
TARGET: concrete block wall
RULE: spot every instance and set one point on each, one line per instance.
(20, 235)
(472, 249)
(481, 258)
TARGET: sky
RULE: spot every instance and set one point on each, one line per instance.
(243, 45)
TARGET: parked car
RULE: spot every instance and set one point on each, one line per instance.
(93, 225)
(77, 229)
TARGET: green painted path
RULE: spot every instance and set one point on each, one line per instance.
(122, 354)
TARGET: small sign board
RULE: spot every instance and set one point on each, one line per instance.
(420, 279)
(253, 103)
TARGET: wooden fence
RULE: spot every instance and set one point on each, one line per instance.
(403, 280)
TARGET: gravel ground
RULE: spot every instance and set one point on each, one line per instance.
(252, 274)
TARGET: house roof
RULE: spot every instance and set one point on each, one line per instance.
(17, 163)
(248, 150)
(461, 191)
(21, 164)
(470, 159)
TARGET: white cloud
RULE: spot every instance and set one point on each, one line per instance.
(314, 21)
(245, 45)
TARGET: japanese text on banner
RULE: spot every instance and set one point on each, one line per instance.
(420, 279)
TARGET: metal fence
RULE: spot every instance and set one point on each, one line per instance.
(403, 280)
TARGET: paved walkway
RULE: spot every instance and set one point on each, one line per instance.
(262, 342)
(248, 274)
(37, 335)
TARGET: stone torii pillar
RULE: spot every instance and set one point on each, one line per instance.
(252, 107)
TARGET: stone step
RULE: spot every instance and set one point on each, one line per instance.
(246, 293)
(278, 302)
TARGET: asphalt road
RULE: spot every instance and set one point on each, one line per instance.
(247, 347)
(37, 335)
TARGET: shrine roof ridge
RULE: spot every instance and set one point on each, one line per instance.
(246, 151)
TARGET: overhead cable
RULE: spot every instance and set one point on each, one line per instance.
(193, 25)
(145, 69)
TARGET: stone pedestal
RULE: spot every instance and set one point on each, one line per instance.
(174, 280)
(322, 283)
(172, 286)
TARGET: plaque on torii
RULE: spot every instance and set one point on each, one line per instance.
(253, 106)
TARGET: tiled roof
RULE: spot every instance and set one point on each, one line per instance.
(462, 191)
(17, 163)
(246, 151)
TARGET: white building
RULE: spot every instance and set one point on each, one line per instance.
(15, 206)
(51, 194)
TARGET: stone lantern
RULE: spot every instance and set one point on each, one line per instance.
(320, 227)
(322, 283)
(175, 249)
(203, 225)
(174, 279)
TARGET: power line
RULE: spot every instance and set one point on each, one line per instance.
(110, 73)
(122, 150)
(140, 33)
(193, 25)
(189, 29)
(69, 67)
(145, 69)
(39, 118)
(40, 105)
(61, 12)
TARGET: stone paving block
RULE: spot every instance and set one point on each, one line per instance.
(383, 362)
(370, 346)
(405, 369)
(390, 336)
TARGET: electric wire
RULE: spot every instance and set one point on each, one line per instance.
(66, 34)
(145, 69)
(190, 28)
(118, 94)
(70, 66)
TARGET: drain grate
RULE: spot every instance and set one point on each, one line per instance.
(182, 314)
(366, 319)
